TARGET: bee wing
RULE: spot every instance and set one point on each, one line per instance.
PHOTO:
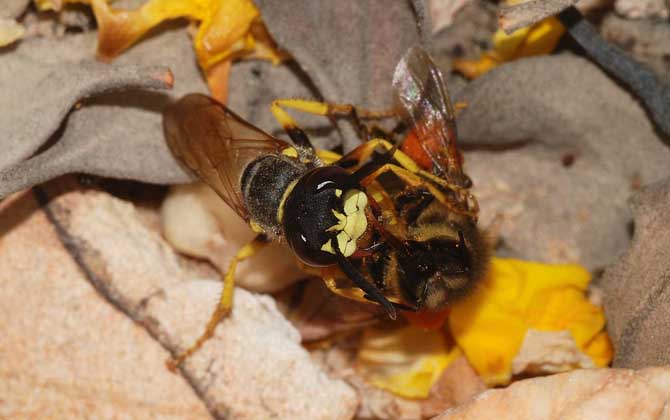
(216, 144)
(423, 96)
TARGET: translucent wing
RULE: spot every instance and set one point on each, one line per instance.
(216, 144)
(424, 98)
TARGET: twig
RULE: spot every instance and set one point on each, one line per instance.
(642, 81)
(525, 14)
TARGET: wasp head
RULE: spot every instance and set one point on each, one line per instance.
(324, 213)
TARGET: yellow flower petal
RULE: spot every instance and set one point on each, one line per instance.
(229, 29)
(10, 31)
(566, 309)
(406, 361)
(475, 68)
(538, 39)
(600, 349)
(490, 325)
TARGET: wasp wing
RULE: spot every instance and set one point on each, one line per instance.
(423, 96)
(216, 144)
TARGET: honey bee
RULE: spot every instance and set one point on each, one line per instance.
(394, 226)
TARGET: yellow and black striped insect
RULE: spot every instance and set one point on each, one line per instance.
(394, 226)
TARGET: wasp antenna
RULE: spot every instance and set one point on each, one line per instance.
(360, 281)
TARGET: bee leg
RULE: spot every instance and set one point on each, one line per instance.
(225, 301)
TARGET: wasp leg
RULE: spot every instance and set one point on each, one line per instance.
(406, 169)
(331, 110)
(328, 156)
(415, 179)
(225, 301)
(357, 158)
(297, 134)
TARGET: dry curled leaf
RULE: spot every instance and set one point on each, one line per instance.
(227, 30)
(319, 314)
(119, 135)
(348, 49)
(637, 296)
(544, 147)
(523, 13)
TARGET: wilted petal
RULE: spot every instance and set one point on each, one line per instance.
(517, 296)
(538, 39)
(406, 361)
(10, 31)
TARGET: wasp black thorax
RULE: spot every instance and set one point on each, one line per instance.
(264, 184)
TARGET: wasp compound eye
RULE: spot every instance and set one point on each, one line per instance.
(310, 211)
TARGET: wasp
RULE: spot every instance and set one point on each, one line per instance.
(396, 226)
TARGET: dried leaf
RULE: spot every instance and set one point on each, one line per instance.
(443, 12)
(119, 135)
(318, 313)
(637, 296)
(228, 30)
(647, 86)
(523, 13)
(348, 49)
(543, 146)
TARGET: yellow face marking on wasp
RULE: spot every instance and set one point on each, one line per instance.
(351, 224)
